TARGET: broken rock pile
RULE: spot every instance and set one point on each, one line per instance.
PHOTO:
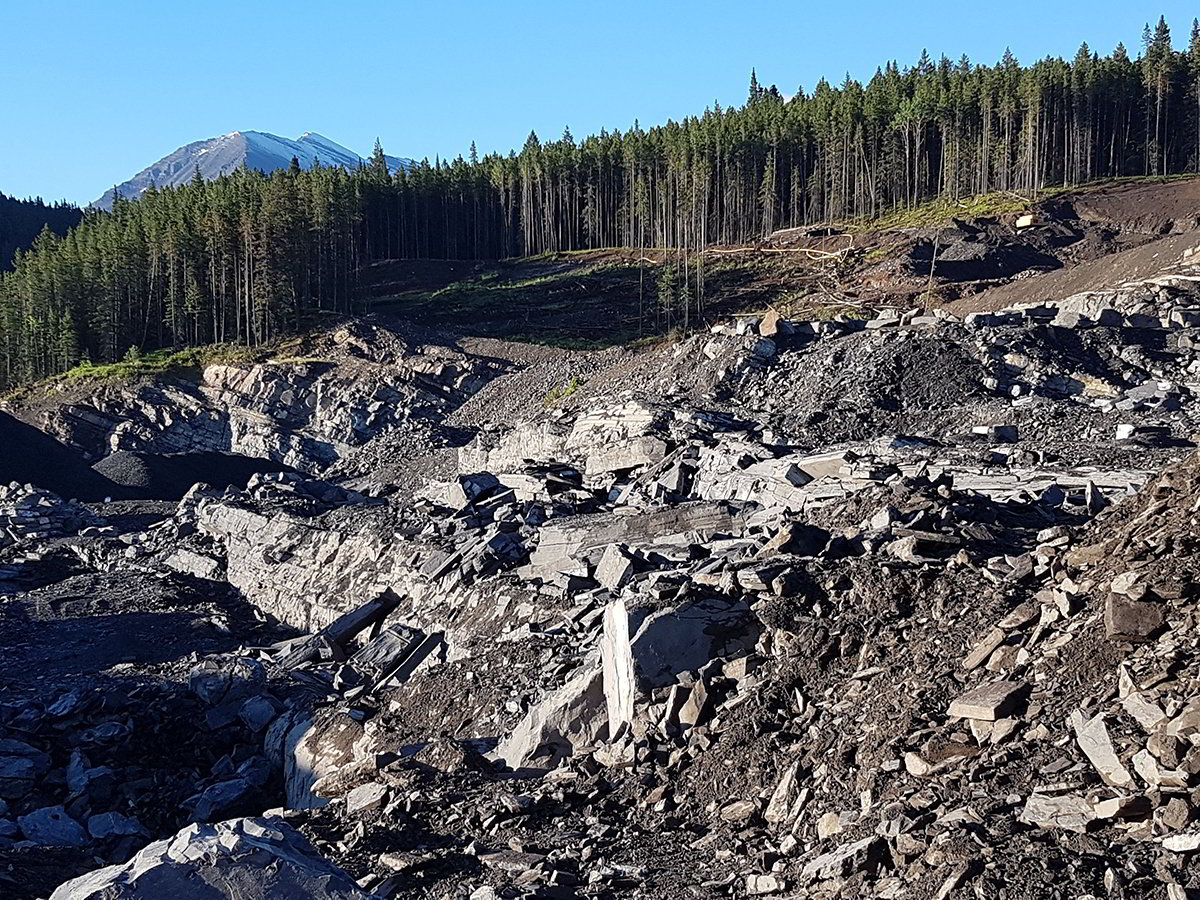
(260, 858)
(890, 608)
(28, 513)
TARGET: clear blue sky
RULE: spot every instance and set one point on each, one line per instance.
(96, 90)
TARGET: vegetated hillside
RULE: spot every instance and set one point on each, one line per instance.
(589, 298)
(249, 256)
(970, 255)
(21, 221)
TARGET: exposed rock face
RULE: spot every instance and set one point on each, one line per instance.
(603, 440)
(261, 858)
(304, 572)
(306, 414)
(316, 748)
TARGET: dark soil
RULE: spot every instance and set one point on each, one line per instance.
(1147, 207)
(1139, 262)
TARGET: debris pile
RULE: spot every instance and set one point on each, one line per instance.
(169, 476)
(29, 514)
(104, 769)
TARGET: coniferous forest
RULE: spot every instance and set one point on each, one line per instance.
(22, 220)
(251, 256)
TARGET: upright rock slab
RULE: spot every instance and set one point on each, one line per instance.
(617, 660)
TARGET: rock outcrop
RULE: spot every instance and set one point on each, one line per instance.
(307, 413)
(261, 858)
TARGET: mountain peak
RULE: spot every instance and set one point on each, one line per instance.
(222, 155)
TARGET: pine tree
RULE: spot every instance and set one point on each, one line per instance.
(1193, 59)
(1156, 73)
(379, 164)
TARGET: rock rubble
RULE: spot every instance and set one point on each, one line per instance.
(895, 608)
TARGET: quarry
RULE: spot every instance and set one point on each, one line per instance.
(889, 597)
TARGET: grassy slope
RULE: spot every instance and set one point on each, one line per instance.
(185, 364)
(591, 299)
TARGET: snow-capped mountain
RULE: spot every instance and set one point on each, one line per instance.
(221, 155)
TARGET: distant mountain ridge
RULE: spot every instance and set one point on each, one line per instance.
(221, 155)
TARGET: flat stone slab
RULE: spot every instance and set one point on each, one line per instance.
(1097, 746)
(1131, 620)
(1068, 812)
(365, 798)
(988, 702)
(52, 827)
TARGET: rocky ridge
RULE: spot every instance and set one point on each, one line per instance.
(306, 412)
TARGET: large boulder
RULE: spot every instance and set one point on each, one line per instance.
(315, 747)
(261, 858)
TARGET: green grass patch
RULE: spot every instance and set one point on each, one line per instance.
(161, 362)
(939, 212)
(561, 393)
(570, 304)
(934, 213)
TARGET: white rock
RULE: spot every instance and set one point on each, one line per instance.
(1097, 746)
(1069, 812)
(783, 796)
(366, 797)
(261, 858)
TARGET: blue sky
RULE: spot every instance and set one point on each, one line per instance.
(97, 90)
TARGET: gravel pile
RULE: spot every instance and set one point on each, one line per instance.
(169, 476)
(30, 456)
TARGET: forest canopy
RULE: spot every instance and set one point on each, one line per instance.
(251, 256)
(22, 220)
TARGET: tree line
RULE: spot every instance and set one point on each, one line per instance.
(22, 220)
(250, 256)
